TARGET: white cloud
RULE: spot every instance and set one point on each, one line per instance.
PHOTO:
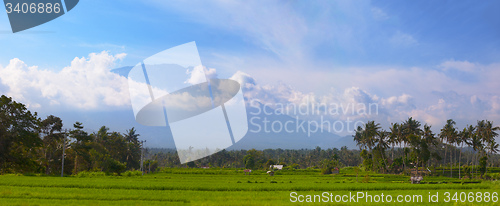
(431, 96)
(200, 74)
(244, 79)
(86, 84)
(464, 66)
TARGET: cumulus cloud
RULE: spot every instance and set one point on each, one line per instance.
(200, 74)
(243, 78)
(86, 84)
(430, 96)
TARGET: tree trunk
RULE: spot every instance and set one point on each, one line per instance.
(444, 159)
(385, 163)
(451, 163)
(459, 161)
(373, 159)
(76, 164)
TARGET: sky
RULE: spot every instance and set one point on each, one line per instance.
(431, 60)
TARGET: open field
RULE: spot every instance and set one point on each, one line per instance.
(223, 187)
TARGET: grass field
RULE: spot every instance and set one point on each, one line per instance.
(227, 187)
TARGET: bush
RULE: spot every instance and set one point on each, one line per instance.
(366, 179)
(90, 174)
(113, 166)
(328, 166)
(132, 173)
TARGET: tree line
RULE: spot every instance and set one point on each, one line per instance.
(261, 159)
(419, 147)
(29, 144)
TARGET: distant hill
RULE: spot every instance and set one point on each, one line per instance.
(298, 139)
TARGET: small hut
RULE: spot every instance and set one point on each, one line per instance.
(335, 170)
(279, 167)
(416, 179)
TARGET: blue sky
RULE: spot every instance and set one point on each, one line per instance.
(429, 59)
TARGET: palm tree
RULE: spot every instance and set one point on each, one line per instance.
(476, 143)
(408, 128)
(365, 138)
(381, 141)
(370, 132)
(359, 138)
(489, 138)
(394, 137)
(463, 137)
(131, 135)
(493, 147)
(471, 132)
(429, 137)
(449, 134)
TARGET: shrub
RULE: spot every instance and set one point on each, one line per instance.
(366, 179)
(90, 174)
(328, 166)
(132, 173)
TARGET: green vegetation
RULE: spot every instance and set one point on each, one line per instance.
(421, 148)
(101, 168)
(215, 187)
(29, 144)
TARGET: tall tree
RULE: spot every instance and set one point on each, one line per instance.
(81, 147)
(394, 137)
(370, 132)
(491, 134)
(133, 149)
(19, 137)
(430, 140)
(463, 137)
(381, 140)
(52, 136)
(448, 134)
(410, 127)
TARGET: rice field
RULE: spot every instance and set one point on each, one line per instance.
(232, 187)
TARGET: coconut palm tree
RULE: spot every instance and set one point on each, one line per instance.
(394, 137)
(463, 137)
(409, 127)
(448, 134)
(471, 131)
(489, 138)
(370, 132)
(382, 145)
(359, 138)
(477, 143)
(429, 137)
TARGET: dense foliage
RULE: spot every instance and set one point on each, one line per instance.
(422, 148)
(29, 144)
